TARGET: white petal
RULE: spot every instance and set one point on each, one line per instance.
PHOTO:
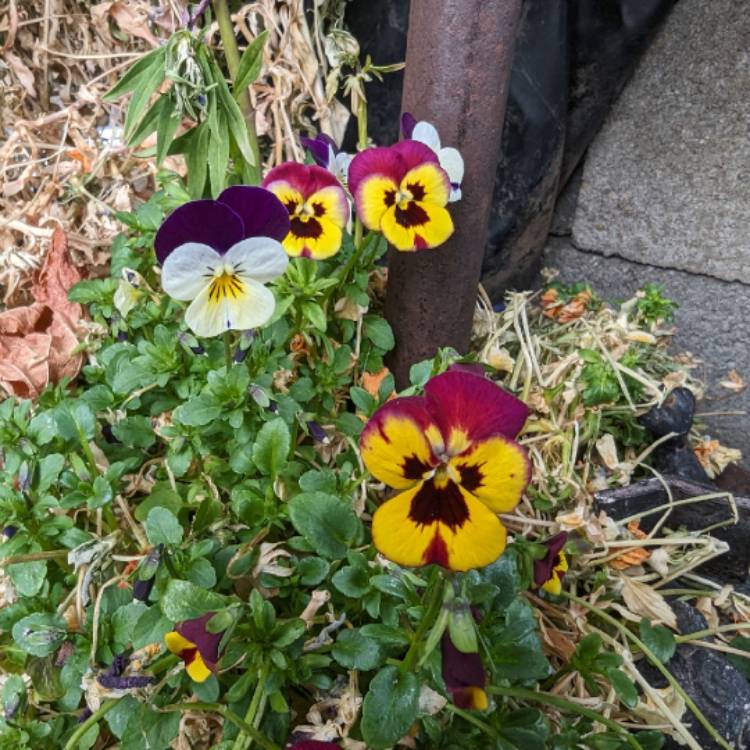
(453, 163)
(343, 160)
(454, 195)
(251, 310)
(259, 258)
(187, 270)
(425, 132)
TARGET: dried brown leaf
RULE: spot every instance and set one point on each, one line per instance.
(647, 602)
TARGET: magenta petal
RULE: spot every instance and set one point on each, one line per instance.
(473, 403)
(205, 221)
(408, 122)
(206, 643)
(414, 153)
(379, 160)
(305, 178)
(544, 568)
(262, 213)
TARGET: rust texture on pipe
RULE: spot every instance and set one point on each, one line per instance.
(458, 62)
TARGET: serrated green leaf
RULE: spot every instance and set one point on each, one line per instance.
(162, 527)
(271, 447)
(198, 411)
(390, 707)
(379, 332)
(183, 600)
(624, 687)
(355, 651)
(327, 523)
(659, 639)
(314, 313)
(40, 633)
(250, 66)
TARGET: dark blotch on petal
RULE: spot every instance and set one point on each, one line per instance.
(416, 189)
(544, 568)
(207, 222)
(411, 216)
(413, 468)
(261, 212)
(309, 229)
(471, 476)
(207, 644)
(444, 504)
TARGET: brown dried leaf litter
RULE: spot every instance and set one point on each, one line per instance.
(62, 158)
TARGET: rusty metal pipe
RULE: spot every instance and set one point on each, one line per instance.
(458, 62)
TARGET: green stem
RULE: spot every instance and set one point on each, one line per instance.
(712, 631)
(229, 715)
(649, 654)
(228, 350)
(433, 600)
(104, 709)
(232, 53)
(566, 705)
(243, 741)
(34, 556)
(468, 716)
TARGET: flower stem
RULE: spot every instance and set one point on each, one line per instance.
(228, 350)
(432, 600)
(232, 53)
(566, 705)
(104, 709)
(229, 715)
(649, 654)
(361, 145)
(468, 716)
(253, 714)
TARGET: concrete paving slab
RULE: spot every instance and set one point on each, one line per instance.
(667, 181)
(713, 323)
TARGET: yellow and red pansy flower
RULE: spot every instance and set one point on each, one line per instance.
(453, 456)
(402, 191)
(198, 648)
(464, 676)
(551, 569)
(317, 205)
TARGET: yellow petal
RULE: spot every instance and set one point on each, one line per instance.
(177, 644)
(374, 196)
(197, 669)
(428, 183)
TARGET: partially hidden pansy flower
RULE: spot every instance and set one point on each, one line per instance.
(452, 455)
(198, 648)
(219, 254)
(402, 191)
(550, 570)
(326, 153)
(317, 205)
(450, 159)
(314, 745)
(464, 676)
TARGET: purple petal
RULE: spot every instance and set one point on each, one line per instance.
(314, 745)
(261, 212)
(408, 121)
(320, 148)
(206, 643)
(461, 670)
(205, 221)
(544, 568)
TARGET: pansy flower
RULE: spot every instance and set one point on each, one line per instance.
(219, 255)
(198, 648)
(453, 457)
(550, 570)
(326, 153)
(464, 676)
(402, 191)
(317, 205)
(450, 159)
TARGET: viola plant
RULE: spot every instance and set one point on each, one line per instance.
(231, 530)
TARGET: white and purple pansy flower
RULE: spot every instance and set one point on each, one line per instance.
(326, 154)
(219, 254)
(450, 159)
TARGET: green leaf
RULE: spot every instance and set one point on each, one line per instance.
(40, 633)
(218, 155)
(162, 527)
(183, 600)
(623, 686)
(197, 165)
(251, 63)
(169, 119)
(354, 651)
(379, 332)
(285, 634)
(271, 447)
(162, 496)
(149, 122)
(659, 639)
(198, 411)
(135, 432)
(137, 73)
(352, 581)
(50, 467)
(150, 730)
(742, 663)
(390, 707)
(312, 570)
(314, 313)
(28, 577)
(234, 117)
(124, 621)
(327, 523)
(151, 627)
(141, 95)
